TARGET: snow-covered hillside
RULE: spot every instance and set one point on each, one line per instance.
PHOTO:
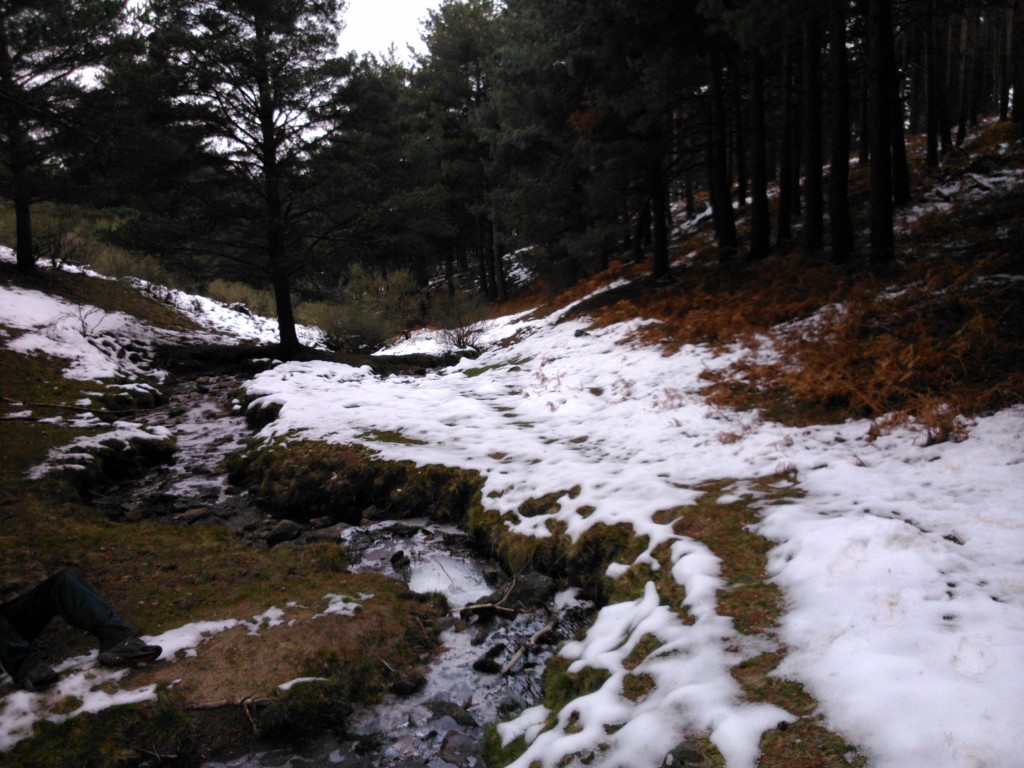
(902, 564)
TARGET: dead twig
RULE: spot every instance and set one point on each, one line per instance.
(248, 714)
(498, 606)
(530, 644)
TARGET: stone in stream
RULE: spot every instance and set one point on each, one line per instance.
(194, 515)
(286, 530)
(461, 750)
(441, 708)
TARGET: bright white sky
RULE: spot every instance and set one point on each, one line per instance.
(372, 25)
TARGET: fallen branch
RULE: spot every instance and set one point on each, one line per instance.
(498, 606)
(531, 643)
(252, 722)
(487, 607)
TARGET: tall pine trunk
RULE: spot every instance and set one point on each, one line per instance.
(17, 160)
(839, 175)
(1017, 64)
(900, 166)
(760, 220)
(718, 171)
(23, 245)
(1005, 63)
(969, 62)
(659, 214)
(813, 161)
(879, 33)
(739, 140)
(934, 106)
(788, 178)
(277, 249)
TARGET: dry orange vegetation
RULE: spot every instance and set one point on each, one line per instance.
(937, 335)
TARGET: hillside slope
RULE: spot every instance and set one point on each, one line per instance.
(799, 485)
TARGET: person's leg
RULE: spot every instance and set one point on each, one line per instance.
(17, 654)
(67, 596)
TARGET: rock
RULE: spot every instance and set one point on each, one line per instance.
(400, 561)
(286, 530)
(487, 665)
(441, 708)
(482, 633)
(408, 682)
(686, 754)
(331, 533)
(461, 750)
(321, 522)
(492, 573)
(135, 514)
(194, 515)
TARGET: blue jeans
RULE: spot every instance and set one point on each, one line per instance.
(24, 618)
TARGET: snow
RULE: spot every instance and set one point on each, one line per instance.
(76, 333)
(233, 321)
(901, 563)
(96, 687)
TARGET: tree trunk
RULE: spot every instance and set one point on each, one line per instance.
(813, 161)
(500, 286)
(482, 258)
(900, 166)
(277, 250)
(863, 97)
(760, 220)
(17, 161)
(787, 178)
(839, 175)
(879, 32)
(643, 225)
(739, 142)
(1017, 67)
(659, 215)
(1005, 63)
(952, 89)
(718, 172)
(969, 44)
(917, 70)
(492, 262)
(934, 106)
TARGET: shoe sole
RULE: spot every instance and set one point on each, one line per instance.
(134, 661)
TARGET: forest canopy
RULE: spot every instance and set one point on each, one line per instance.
(232, 140)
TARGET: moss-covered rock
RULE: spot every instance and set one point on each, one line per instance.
(303, 480)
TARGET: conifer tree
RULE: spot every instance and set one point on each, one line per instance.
(257, 73)
(44, 46)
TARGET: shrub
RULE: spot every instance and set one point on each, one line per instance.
(257, 300)
(371, 307)
(460, 320)
(349, 327)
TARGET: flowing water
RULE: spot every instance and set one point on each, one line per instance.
(440, 725)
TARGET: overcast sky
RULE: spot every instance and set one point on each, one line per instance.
(372, 25)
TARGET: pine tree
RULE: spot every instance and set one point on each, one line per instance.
(44, 45)
(257, 73)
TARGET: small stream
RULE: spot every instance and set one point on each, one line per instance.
(441, 724)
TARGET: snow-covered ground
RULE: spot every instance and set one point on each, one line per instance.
(902, 565)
